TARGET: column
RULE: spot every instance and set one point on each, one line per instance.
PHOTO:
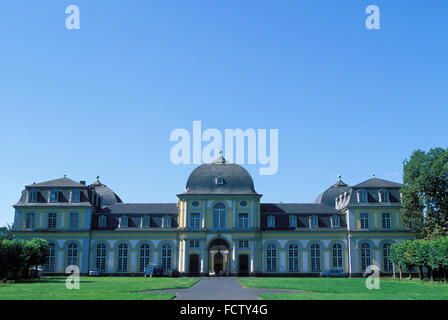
(234, 268)
(252, 256)
(202, 256)
(203, 213)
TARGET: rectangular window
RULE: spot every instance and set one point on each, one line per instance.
(51, 222)
(243, 244)
(54, 196)
(74, 218)
(32, 196)
(195, 221)
(364, 219)
(293, 221)
(243, 221)
(386, 220)
(29, 221)
(194, 243)
(75, 196)
(314, 222)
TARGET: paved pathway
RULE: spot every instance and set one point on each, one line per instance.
(218, 289)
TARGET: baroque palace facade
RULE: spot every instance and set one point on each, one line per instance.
(218, 223)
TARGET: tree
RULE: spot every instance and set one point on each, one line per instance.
(425, 193)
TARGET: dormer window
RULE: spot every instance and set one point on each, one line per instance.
(293, 221)
(384, 196)
(314, 222)
(167, 222)
(146, 220)
(335, 221)
(362, 196)
(32, 196)
(102, 221)
(76, 194)
(124, 222)
(219, 181)
(54, 196)
(271, 222)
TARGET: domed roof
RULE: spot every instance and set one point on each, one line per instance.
(220, 177)
(329, 195)
(108, 197)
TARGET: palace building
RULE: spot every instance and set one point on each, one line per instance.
(218, 223)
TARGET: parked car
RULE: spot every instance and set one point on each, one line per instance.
(153, 271)
(211, 273)
(333, 273)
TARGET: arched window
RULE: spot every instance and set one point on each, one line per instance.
(166, 257)
(102, 221)
(72, 254)
(146, 221)
(100, 259)
(145, 256)
(122, 265)
(366, 256)
(219, 216)
(124, 222)
(387, 263)
(51, 258)
(315, 258)
(293, 258)
(271, 258)
(337, 256)
(271, 222)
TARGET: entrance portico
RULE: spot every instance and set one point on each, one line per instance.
(219, 257)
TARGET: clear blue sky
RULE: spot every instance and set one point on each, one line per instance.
(104, 99)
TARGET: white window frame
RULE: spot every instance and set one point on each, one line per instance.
(100, 257)
(271, 221)
(363, 196)
(124, 221)
(386, 223)
(144, 258)
(314, 222)
(384, 196)
(362, 221)
(75, 196)
(53, 219)
(219, 214)
(271, 258)
(293, 257)
(167, 221)
(335, 221)
(292, 221)
(122, 257)
(243, 244)
(243, 220)
(51, 199)
(195, 220)
(146, 221)
(337, 256)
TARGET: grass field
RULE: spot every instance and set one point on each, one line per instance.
(347, 289)
(96, 288)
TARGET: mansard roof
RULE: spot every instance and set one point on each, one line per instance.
(377, 183)
(297, 208)
(57, 183)
(141, 208)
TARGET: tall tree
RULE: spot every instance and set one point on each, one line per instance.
(425, 193)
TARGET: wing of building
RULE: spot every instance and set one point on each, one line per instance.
(218, 223)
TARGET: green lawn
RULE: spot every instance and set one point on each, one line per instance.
(94, 288)
(347, 289)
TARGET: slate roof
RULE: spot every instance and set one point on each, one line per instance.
(57, 183)
(329, 195)
(237, 180)
(297, 208)
(377, 183)
(108, 197)
(141, 208)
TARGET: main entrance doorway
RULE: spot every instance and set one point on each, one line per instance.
(219, 257)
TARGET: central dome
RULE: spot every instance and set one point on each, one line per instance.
(220, 177)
